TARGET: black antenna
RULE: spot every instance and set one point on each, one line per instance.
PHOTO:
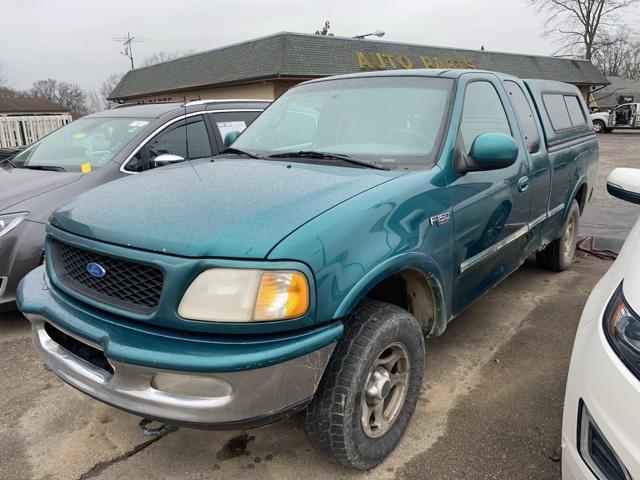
(186, 139)
(186, 136)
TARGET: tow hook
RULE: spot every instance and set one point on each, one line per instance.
(157, 429)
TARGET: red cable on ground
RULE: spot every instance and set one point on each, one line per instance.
(601, 253)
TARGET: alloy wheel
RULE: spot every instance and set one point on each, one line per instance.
(385, 390)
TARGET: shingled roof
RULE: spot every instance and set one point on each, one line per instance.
(301, 56)
(30, 105)
(608, 97)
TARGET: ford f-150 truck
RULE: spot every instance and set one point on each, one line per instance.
(303, 268)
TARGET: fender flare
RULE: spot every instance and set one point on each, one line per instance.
(582, 180)
(414, 261)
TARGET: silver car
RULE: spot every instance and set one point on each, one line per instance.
(97, 149)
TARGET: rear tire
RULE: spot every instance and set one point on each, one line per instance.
(558, 255)
(369, 390)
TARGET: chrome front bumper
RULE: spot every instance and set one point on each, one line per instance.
(252, 397)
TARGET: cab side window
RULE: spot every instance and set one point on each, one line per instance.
(482, 112)
(564, 111)
(190, 141)
(575, 111)
(525, 116)
(557, 111)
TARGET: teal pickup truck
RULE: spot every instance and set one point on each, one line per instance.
(304, 266)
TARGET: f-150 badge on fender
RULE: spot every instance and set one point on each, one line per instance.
(440, 219)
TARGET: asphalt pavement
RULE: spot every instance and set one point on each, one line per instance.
(608, 218)
(490, 407)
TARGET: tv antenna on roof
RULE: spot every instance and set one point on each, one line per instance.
(127, 48)
(325, 29)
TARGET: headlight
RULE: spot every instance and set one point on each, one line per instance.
(10, 221)
(238, 295)
(622, 329)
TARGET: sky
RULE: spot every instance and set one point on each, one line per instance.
(73, 40)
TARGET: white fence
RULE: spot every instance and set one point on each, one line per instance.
(16, 131)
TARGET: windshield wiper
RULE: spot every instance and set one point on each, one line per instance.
(237, 151)
(52, 168)
(8, 160)
(328, 156)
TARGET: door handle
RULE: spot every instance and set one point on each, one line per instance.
(523, 183)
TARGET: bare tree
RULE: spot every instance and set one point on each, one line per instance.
(4, 79)
(612, 56)
(8, 92)
(108, 86)
(67, 94)
(631, 66)
(619, 55)
(94, 102)
(163, 56)
(580, 25)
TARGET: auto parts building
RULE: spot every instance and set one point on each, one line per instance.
(266, 67)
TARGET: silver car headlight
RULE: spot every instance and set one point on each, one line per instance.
(622, 329)
(10, 221)
(243, 295)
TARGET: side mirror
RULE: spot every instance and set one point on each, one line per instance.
(624, 183)
(230, 137)
(166, 159)
(491, 151)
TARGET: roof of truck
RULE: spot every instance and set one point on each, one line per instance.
(415, 72)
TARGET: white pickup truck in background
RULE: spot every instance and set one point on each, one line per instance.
(625, 115)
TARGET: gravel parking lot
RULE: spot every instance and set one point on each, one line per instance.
(491, 403)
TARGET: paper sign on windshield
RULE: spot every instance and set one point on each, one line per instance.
(228, 127)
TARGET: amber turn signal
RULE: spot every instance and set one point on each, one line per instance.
(281, 295)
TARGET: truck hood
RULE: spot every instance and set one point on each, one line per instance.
(228, 208)
(20, 184)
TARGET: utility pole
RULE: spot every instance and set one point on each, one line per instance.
(127, 47)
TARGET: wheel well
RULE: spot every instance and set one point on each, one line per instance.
(408, 289)
(581, 197)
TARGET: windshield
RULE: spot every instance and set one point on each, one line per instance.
(83, 145)
(386, 120)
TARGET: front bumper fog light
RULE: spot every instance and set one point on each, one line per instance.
(191, 385)
(596, 451)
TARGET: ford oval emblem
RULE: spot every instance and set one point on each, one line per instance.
(96, 270)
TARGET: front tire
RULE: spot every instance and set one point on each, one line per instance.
(599, 126)
(369, 390)
(558, 255)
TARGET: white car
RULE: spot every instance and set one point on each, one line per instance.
(601, 423)
(600, 122)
